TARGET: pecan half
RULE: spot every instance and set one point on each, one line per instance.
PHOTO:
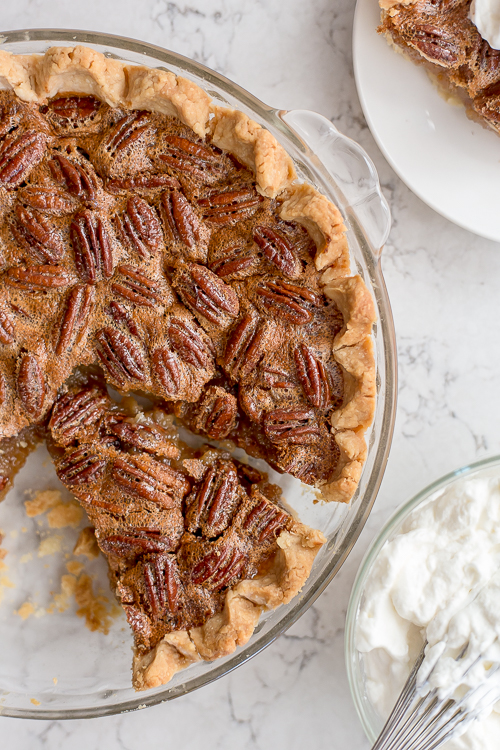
(136, 287)
(291, 426)
(217, 413)
(48, 200)
(79, 306)
(73, 414)
(121, 357)
(126, 131)
(31, 386)
(19, 154)
(36, 278)
(211, 508)
(180, 219)
(33, 232)
(122, 315)
(191, 158)
(245, 347)
(290, 302)
(489, 62)
(228, 207)
(436, 43)
(278, 250)
(76, 109)
(150, 480)
(10, 116)
(207, 295)
(301, 465)
(264, 521)
(219, 567)
(276, 378)
(146, 437)
(78, 180)
(313, 377)
(167, 370)
(139, 227)
(136, 542)
(162, 585)
(81, 466)
(7, 330)
(189, 344)
(491, 91)
(234, 260)
(91, 245)
(145, 181)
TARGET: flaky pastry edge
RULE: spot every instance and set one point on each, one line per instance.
(244, 604)
(79, 69)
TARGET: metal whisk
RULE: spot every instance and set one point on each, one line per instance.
(422, 720)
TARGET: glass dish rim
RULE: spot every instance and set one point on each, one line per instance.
(391, 525)
(378, 288)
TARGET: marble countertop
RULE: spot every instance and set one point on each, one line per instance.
(443, 283)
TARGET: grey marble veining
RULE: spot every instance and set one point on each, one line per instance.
(443, 283)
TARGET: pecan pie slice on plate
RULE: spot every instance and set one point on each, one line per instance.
(164, 244)
(440, 35)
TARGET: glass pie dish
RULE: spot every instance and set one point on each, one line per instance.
(369, 716)
(51, 665)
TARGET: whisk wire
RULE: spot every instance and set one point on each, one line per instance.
(424, 720)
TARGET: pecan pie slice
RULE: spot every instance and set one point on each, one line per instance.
(198, 544)
(440, 35)
(164, 243)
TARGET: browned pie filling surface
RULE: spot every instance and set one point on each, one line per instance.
(129, 243)
(134, 249)
(178, 526)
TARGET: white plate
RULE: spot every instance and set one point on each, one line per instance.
(451, 163)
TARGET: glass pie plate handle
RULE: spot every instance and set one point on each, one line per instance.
(350, 168)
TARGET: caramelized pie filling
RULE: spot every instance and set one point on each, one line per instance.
(178, 526)
(130, 243)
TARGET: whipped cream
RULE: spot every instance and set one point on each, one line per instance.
(485, 15)
(438, 579)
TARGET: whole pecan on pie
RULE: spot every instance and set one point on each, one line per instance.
(176, 255)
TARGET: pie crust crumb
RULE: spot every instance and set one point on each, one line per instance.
(86, 544)
(41, 502)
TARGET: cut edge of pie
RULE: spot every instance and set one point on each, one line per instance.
(243, 606)
(440, 36)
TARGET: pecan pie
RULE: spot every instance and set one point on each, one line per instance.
(163, 244)
(198, 544)
(440, 35)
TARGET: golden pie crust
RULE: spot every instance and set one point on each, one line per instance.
(244, 604)
(82, 71)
